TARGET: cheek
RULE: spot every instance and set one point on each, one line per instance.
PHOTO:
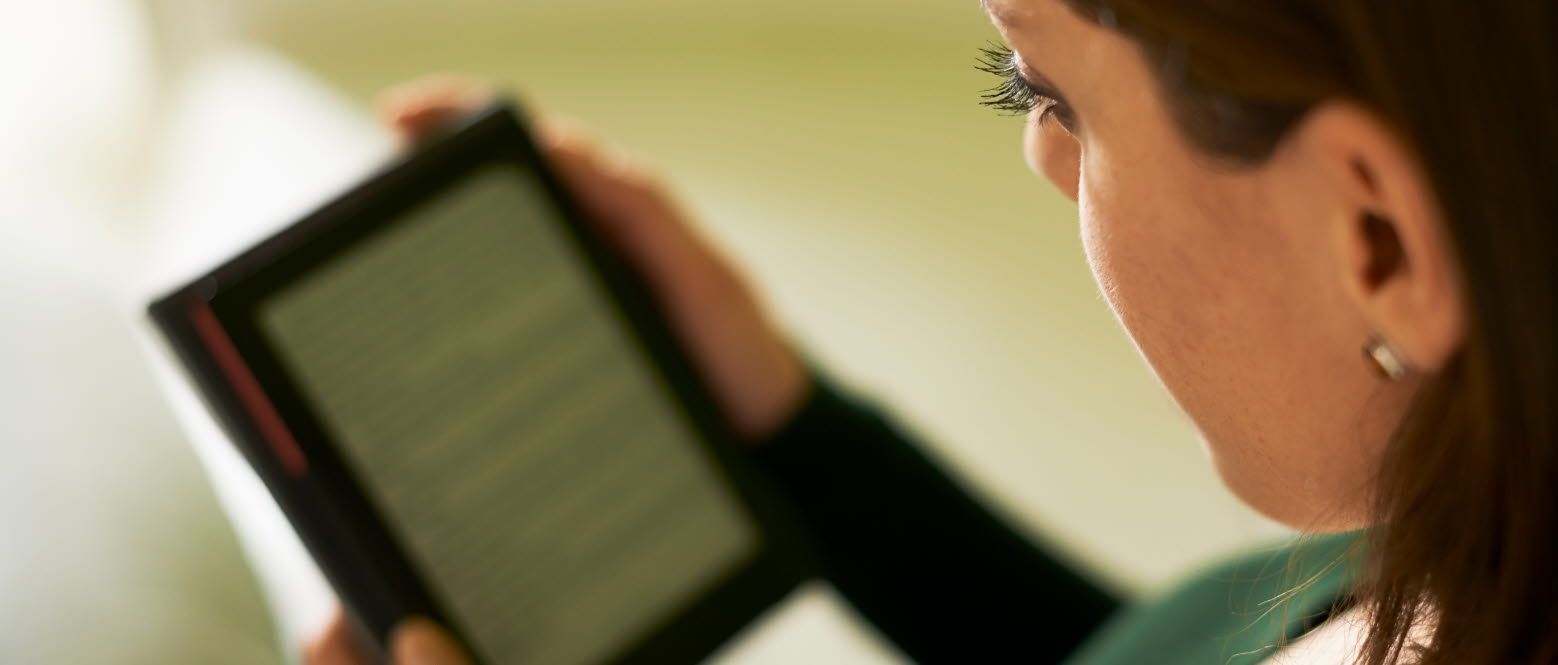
(1156, 290)
(1225, 310)
(1053, 153)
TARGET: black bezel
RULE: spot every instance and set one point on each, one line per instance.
(343, 530)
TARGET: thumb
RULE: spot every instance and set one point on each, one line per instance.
(418, 641)
(417, 109)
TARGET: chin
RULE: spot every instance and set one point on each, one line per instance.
(1305, 506)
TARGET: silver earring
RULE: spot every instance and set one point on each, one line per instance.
(1385, 359)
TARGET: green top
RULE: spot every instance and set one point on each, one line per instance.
(1237, 613)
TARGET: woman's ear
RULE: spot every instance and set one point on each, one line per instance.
(1388, 238)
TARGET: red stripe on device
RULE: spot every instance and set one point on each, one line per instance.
(260, 409)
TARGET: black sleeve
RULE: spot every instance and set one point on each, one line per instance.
(932, 568)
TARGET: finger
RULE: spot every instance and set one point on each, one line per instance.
(614, 189)
(628, 208)
(571, 138)
(419, 641)
(622, 207)
(431, 94)
(638, 219)
(555, 131)
(334, 646)
(415, 109)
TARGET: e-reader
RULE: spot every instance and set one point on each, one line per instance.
(470, 408)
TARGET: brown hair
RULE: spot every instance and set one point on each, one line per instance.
(1465, 548)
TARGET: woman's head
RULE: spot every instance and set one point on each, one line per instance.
(1264, 187)
(1241, 278)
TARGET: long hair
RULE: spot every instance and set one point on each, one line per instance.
(1465, 545)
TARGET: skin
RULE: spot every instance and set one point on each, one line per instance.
(1249, 290)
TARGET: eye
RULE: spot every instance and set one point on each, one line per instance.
(1015, 94)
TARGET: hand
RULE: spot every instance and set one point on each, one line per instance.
(754, 374)
(414, 642)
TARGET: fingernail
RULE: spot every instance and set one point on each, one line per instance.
(419, 641)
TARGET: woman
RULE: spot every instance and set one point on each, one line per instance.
(1265, 190)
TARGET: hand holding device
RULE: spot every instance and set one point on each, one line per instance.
(484, 402)
(750, 367)
(415, 642)
(755, 375)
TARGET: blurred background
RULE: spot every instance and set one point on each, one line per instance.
(835, 150)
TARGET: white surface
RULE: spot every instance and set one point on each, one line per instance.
(112, 549)
(250, 145)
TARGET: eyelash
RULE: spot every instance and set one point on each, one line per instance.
(1014, 94)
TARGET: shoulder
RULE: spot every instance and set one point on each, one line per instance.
(1233, 612)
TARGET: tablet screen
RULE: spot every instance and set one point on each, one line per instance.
(506, 425)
